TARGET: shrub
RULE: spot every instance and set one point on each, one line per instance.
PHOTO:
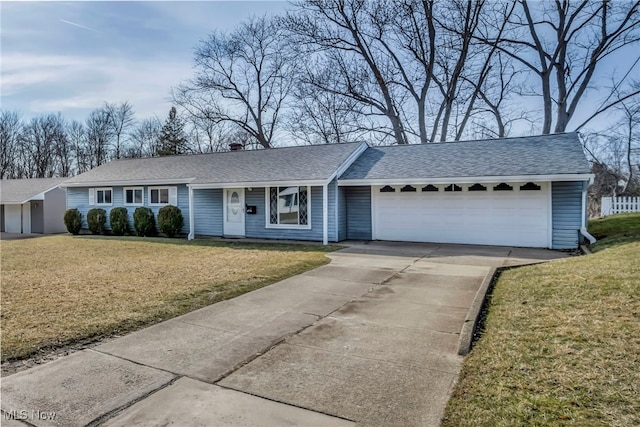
(73, 220)
(144, 222)
(96, 220)
(170, 220)
(119, 220)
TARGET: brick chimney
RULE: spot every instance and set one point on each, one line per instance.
(235, 146)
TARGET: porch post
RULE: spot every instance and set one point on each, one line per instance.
(192, 226)
(325, 214)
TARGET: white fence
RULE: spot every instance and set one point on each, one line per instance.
(614, 205)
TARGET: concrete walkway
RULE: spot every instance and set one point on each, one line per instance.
(369, 339)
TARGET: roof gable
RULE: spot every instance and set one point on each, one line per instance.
(537, 155)
(14, 191)
(303, 163)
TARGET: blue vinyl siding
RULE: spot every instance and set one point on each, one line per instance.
(566, 201)
(207, 208)
(79, 198)
(255, 225)
(358, 216)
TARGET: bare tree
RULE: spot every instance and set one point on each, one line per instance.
(99, 134)
(563, 44)
(144, 138)
(38, 143)
(344, 34)
(243, 78)
(10, 130)
(77, 136)
(122, 118)
(627, 134)
(418, 64)
(323, 117)
(63, 152)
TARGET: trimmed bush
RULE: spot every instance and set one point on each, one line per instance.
(170, 220)
(143, 222)
(73, 220)
(119, 220)
(96, 220)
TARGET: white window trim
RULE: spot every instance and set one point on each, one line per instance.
(169, 189)
(95, 190)
(124, 196)
(267, 210)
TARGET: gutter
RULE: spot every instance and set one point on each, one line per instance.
(583, 225)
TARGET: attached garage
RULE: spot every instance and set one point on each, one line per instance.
(515, 214)
(528, 192)
(32, 205)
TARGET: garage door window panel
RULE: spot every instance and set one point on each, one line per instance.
(503, 187)
(477, 187)
(408, 189)
(430, 188)
(530, 186)
(387, 189)
(452, 188)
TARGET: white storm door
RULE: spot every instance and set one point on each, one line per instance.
(234, 212)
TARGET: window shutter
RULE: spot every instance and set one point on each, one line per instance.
(173, 196)
(92, 196)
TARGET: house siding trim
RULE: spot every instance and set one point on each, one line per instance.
(358, 213)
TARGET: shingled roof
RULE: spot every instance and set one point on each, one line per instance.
(303, 163)
(14, 191)
(555, 154)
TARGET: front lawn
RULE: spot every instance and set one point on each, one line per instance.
(561, 344)
(63, 289)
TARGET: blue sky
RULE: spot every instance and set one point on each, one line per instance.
(70, 57)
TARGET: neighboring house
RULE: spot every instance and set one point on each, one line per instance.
(34, 205)
(528, 191)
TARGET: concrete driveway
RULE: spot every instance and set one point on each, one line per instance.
(370, 339)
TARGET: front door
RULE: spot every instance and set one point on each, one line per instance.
(234, 212)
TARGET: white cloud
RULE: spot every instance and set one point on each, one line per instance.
(75, 85)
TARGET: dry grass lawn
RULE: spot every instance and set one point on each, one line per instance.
(64, 289)
(561, 346)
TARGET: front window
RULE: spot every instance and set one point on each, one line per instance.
(103, 196)
(289, 206)
(133, 196)
(159, 196)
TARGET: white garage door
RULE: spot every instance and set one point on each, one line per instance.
(12, 219)
(511, 217)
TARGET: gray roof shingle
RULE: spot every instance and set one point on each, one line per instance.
(535, 155)
(316, 162)
(21, 190)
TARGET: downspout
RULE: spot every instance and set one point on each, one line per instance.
(583, 227)
(191, 216)
(325, 214)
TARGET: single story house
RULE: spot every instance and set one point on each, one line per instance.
(32, 205)
(528, 191)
